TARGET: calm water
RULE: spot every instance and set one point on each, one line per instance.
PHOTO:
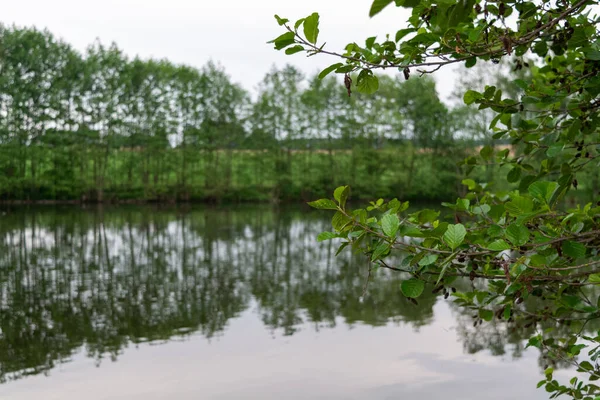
(224, 303)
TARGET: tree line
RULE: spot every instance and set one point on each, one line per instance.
(101, 126)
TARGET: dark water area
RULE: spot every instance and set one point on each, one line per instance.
(135, 302)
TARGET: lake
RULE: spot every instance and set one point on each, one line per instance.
(228, 303)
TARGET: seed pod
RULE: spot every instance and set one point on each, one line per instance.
(472, 275)
(406, 72)
(507, 43)
(453, 290)
(348, 84)
(501, 9)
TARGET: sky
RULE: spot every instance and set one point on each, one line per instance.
(233, 33)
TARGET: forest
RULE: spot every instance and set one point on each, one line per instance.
(103, 127)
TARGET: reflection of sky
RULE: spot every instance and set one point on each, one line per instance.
(250, 362)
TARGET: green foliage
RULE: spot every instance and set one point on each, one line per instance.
(454, 235)
(516, 234)
(412, 288)
(390, 225)
(367, 83)
(311, 28)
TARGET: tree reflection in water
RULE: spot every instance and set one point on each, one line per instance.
(104, 278)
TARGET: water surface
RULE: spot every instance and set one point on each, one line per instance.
(227, 303)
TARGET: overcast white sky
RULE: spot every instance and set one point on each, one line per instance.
(232, 32)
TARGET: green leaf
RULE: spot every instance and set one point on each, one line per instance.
(341, 195)
(517, 234)
(390, 224)
(329, 70)
(514, 175)
(323, 204)
(519, 205)
(460, 12)
(471, 97)
(542, 190)
(573, 249)
(461, 205)
(507, 311)
(284, 40)
(403, 32)
(281, 21)
(521, 83)
(486, 315)
(592, 55)
(298, 23)
(407, 230)
(538, 260)
(495, 231)
(482, 209)
(470, 183)
(408, 3)
(455, 235)
(294, 49)
(498, 245)
(377, 6)
(342, 247)
(367, 83)
(427, 215)
(594, 278)
(382, 249)
(428, 260)
(586, 366)
(339, 221)
(326, 236)
(555, 150)
(311, 28)
(412, 288)
(486, 152)
(535, 342)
